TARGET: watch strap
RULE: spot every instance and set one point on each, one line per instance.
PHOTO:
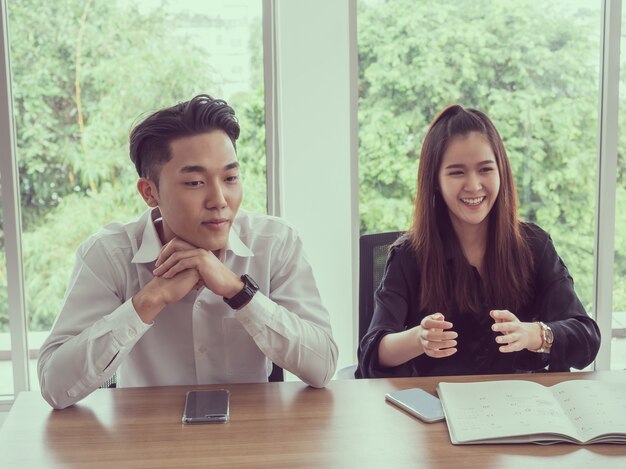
(245, 294)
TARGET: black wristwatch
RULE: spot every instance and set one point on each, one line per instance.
(245, 295)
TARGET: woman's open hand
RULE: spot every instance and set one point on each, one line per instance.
(435, 336)
(516, 335)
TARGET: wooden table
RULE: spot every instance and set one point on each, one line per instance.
(346, 425)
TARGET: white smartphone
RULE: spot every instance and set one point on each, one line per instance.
(211, 406)
(419, 403)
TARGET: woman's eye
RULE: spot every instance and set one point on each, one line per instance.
(455, 173)
(486, 170)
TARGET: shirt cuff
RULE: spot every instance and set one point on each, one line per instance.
(526, 360)
(257, 314)
(126, 325)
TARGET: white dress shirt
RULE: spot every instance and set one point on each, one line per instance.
(200, 339)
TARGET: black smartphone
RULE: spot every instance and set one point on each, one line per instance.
(211, 406)
(418, 402)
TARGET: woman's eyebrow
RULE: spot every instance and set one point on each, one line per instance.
(461, 165)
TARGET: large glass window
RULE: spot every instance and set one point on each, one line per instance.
(82, 73)
(531, 66)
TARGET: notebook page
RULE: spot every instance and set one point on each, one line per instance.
(594, 407)
(496, 409)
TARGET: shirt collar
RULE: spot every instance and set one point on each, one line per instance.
(236, 245)
(151, 243)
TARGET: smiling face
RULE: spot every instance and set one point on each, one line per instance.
(198, 192)
(469, 181)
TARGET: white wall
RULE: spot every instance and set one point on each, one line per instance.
(315, 145)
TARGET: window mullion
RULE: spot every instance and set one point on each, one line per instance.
(12, 218)
(271, 82)
(607, 181)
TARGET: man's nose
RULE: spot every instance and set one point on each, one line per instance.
(215, 196)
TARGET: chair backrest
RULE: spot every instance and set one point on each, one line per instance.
(373, 252)
(110, 383)
(277, 374)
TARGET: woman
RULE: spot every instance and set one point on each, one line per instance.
(470, 289)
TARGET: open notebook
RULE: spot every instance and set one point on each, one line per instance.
(517, 411)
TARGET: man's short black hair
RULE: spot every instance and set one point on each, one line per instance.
(150, 140)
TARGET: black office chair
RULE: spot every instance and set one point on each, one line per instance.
(277, 375)
(373, 252)
(110, 383)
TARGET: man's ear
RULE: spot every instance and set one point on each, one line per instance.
(148, 191)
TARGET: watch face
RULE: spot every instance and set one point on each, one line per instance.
(549, 336)
(250, 282)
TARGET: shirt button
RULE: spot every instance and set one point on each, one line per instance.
(71, 393)
(202, 349)
(132, 332)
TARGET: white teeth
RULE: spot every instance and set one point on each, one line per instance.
(474, 201)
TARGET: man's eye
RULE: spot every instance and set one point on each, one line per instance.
(232, 178)
(193, 183)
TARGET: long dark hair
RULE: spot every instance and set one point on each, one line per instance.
(150, 140)
(508, 260)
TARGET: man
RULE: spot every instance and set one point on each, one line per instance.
(194, 291)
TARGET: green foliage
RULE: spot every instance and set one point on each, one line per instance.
(126, 63)
(533, 69)
(250, 109)
(251, 149)
(72, 143)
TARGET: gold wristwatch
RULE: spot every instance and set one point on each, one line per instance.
(546, 338)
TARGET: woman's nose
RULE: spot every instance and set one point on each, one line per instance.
(472, 183)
